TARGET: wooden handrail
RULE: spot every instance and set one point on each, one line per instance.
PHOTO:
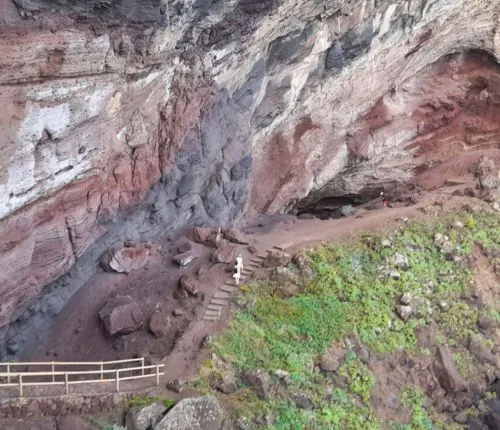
(69, 363)
(79, 372)
(85, 381)
(48, 378)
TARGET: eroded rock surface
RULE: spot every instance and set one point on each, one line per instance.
(197, 413)
(146, 417)
(135, 119)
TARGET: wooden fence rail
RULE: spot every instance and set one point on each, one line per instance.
(54, 377)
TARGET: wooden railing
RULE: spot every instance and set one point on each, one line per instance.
(97, 372)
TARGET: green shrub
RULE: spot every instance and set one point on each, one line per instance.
(359, 378)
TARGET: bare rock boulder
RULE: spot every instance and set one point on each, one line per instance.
(259, 380)
(226, 382)
(204, 235)
(184, 258)
(189, 285)
(159, 324)
(193, 413)
(488, 174)
(225, 254)
(299, 260)
(446, 373)
(121, 315)
(235, 236)
(332, 359)
(125, 260)
(276, 258)
(144, 418)
(404, 311)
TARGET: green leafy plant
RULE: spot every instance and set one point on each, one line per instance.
(414, 400)
(359, 378)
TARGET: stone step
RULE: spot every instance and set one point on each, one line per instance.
(212, 312)
(210, 318)
(214, 307)
(261, 257)
(228, 289)
(278, 247)
(222, 302)
(222, 295)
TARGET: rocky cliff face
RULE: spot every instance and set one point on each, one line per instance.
(138, 118)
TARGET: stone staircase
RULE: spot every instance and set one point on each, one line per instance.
(224, 293)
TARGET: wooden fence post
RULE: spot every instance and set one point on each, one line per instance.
(142, 365)
(157, 375)
(117, 380)
(20, 385)
(8, 373)
(102, 374)
(66, 382)
(53, 369)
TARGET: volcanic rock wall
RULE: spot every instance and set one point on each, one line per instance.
(142, 117)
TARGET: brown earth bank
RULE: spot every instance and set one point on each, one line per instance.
(122, 122)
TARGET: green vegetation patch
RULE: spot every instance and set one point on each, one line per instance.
(142, 401)
(359, 378)
(355, 288)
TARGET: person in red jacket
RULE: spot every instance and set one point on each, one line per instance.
(385, 200)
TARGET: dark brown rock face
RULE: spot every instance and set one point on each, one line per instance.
(446, 372)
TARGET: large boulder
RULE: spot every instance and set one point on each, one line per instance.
(332, 359)
(159, 324)
(121, 315)
(259, 380)
(145, 418)
(225, 382)
(488, 174)
(276, 258)
(447, 374)
(189, 285)
(235, 236)
(125, 260)
(184, 258)
(194, 413)
(204, 235)
(225, 254)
